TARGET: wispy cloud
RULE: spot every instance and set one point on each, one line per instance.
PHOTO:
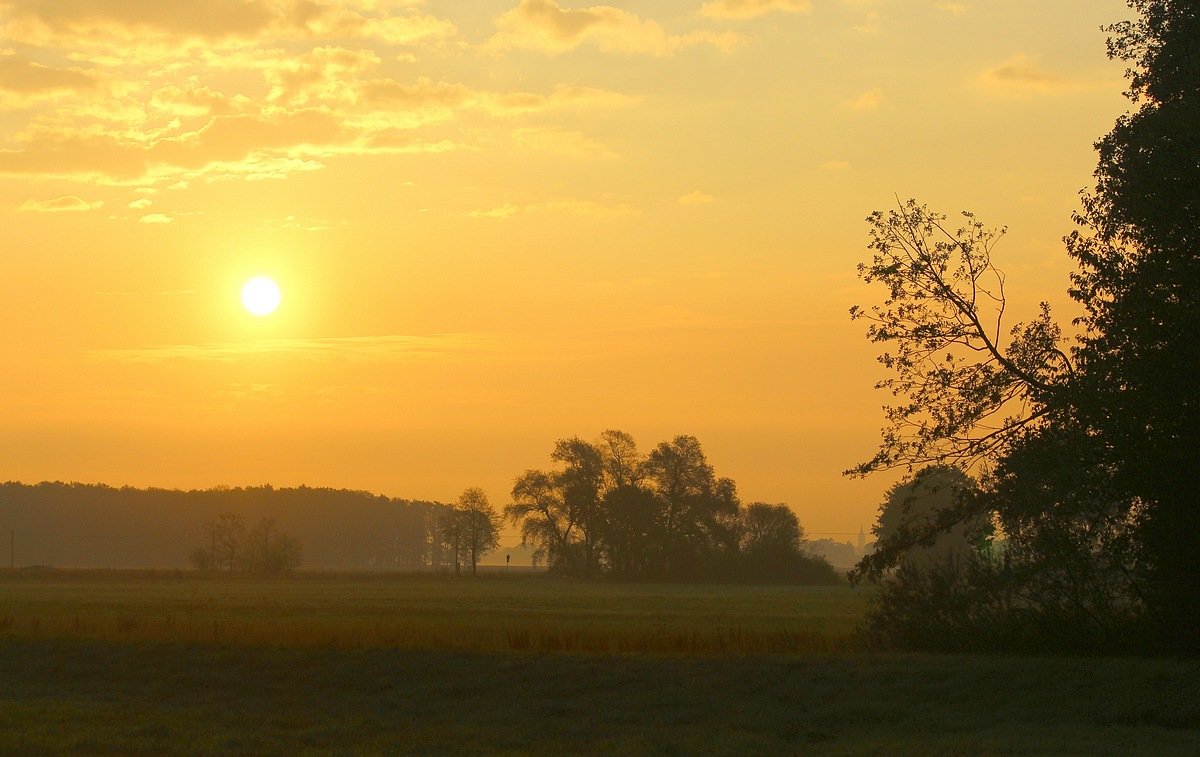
(1021, 75)
(299, 223)
(697, 198)
(868, 100)
(569, 206)
(870, 24)
(386, 348)
(546, 27)
(21, 76)
(65, 203)
(155, 218)
(567, 142)
(134, 293)
(752, 8)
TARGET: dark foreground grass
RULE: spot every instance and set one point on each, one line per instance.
(102, 697)
(122, 663)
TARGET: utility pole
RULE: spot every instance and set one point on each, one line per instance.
(12, 549)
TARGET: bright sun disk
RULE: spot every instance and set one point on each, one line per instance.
(260, 296)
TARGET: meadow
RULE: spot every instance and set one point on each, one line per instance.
(177, 663)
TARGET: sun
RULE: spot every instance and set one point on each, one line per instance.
(260, 296)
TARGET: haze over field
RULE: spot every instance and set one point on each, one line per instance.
(495, 224)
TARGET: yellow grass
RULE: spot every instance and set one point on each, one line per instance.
(431, 612)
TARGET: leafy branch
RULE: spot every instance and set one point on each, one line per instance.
(964, 388)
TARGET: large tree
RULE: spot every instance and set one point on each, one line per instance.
(223, 535)
(1090, 459)
(933, 501)
(478, 526)
(546, 521)
(1138, 251)
(582, 483)
(269, 550)
(683, 481)
(769, 531)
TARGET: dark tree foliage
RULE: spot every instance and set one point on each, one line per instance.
(667, 516)
(582, 482)
(546, 521)
(1090, 478)
(932, 518)
(470, 529)
(1138, 252)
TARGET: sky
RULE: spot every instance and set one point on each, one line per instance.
(499, 223)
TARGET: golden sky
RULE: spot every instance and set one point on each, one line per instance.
(501, 222)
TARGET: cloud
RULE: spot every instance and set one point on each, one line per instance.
(130, 28)
(502, 212)
(58, 204)
(1020, 74)
(956, 9)
(142, 293)
(141, 203)
(388, 348)
(867, 100)
(84, 152)
(697, 198)
(298, 223)
(21, 76)
(128, 92)
(544, 26)
(323, 74)
(561, 98)
(870, 24)
(554, 141)
(568, 206)
(198, 101)
(155, 218)
(752, 8)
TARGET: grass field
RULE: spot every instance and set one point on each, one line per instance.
(429, 612)
(118, 663)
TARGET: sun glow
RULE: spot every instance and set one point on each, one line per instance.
(261, 296)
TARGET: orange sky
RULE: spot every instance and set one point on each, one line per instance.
(500, 223)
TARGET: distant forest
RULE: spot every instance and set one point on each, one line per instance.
(98, 526)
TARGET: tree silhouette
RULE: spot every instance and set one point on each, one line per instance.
(546, 520)
(474, 528)
(770, 532)
(1091, 459)
(1138, 251)
(965, 387)
(665, 516)
(922, 522)
(225, 534)
(582, 482)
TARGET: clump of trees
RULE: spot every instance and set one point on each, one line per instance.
(470, 529)
(1087, 448)
(607, 509)
(263, 549)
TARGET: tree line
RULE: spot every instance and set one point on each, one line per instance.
(94, 525)
(1079, 529)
